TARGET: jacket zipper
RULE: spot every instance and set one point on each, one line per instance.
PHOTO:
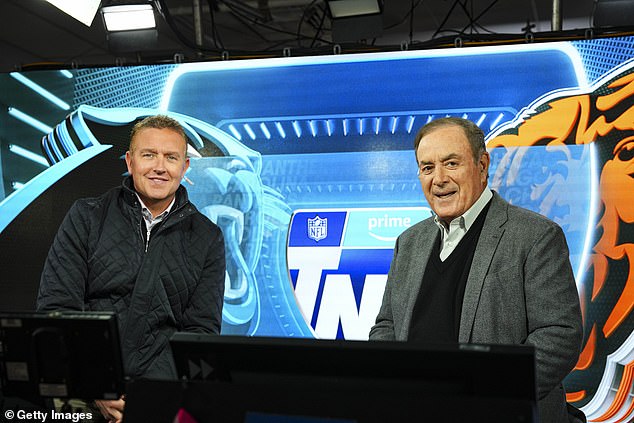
(147, 235)
(146, 241)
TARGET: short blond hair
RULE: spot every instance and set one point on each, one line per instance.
(157, 122)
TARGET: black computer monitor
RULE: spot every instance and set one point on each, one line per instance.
(355, 380)
(60, 355)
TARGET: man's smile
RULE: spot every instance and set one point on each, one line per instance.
(444, 195)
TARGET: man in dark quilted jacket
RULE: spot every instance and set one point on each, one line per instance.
(143, 251)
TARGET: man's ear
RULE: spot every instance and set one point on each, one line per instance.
(485, 160)
(128, 159)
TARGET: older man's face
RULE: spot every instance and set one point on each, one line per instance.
(452, 181)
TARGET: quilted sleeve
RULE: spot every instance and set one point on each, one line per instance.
(63, 280)
(203, 313)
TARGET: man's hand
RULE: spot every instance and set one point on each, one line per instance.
(112, 410)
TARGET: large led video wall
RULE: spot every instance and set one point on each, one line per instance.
(307, 164)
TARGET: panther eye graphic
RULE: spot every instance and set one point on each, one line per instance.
(624, 151)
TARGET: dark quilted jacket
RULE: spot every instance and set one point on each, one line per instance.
(98, 262)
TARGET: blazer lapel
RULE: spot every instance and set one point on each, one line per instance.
(415, 275)
(487, 244)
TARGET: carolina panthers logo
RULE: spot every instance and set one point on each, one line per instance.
(602, 117)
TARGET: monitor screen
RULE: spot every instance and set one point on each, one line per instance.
(337, 379)
(60, 355)
(465, 369)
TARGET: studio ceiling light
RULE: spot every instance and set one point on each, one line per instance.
(82, 10)
(128, 17)
(354, 20)
(347, 8)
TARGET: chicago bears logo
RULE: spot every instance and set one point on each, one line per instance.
(602, 118)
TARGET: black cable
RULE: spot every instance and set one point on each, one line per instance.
(407, 15)
(474, 21)
(271, 28)
(453, 6)
(594, 10)
(469, 15)
(214, 28)
(170, 22)
(411, 22)
(247, 11)
(321, 25)
(245, 20)
(301, 21)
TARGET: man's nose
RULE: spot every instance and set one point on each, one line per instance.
(440, 175)
(159, 164)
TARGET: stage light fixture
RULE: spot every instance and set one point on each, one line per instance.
(129, 17)
(354, 20)
(82, 10)
(613, 13)
(347, 8)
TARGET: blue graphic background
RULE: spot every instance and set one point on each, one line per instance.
(279, 137)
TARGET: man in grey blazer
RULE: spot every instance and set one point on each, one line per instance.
(482, 270)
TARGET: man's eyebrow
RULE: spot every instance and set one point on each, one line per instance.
(443, 159)
(450, 156)
(154, 150)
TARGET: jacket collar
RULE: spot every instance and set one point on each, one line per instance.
(129, 194)
(485, 249)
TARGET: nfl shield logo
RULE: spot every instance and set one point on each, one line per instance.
(317, 228)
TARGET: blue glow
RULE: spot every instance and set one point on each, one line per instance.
(31, 121)
(345, 127)
(377, 125)
(235, 132)
(40, 90)
(16, 185)
(329, 127)
(297, 128)
(287, 62)
(410, 124)
(280, 129)
(482, 117)
(496, 121)
(27, 154)
(56, 155)
(15, 203)
(265, 130)
(62, 134)
(66, 73)
(313, 127)
(249, 131)
(361, 126)
(47, 148)
(393, 125)
(594, 192)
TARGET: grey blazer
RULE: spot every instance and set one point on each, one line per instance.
(520, 290)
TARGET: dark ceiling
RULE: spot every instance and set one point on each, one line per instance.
(35, 34)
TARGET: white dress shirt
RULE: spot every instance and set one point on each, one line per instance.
(151, 221)
(451, 235)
